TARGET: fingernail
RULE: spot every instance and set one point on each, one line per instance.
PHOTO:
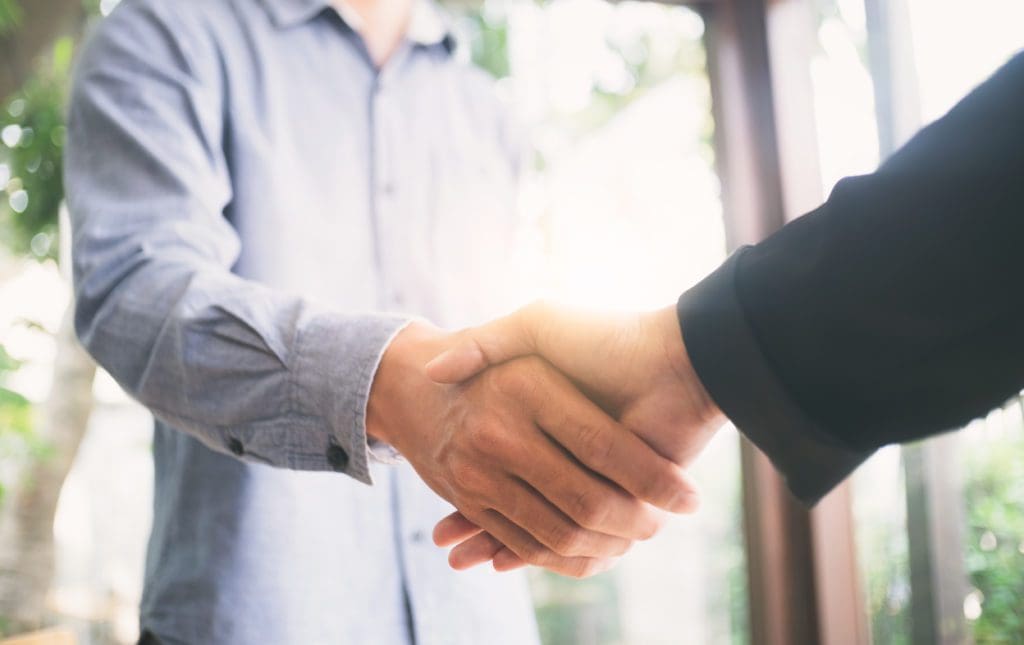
(438, 360)
(458, 563)
(504, 560)
(685, 502)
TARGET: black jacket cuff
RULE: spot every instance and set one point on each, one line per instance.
(727, 358)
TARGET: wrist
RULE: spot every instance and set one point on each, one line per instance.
(678, 359)
(400, 384)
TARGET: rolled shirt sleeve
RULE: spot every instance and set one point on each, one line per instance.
(250, 371)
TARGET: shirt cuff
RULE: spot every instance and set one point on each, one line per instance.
(728, 360)
(336, 360)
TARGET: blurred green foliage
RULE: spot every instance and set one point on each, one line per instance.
(994, 490)
(993, 493)
(15, 415)
(14, 408)
(648, 66)
(10, 15)
(647, 59)
(488, 43)
(733, 551)
(31, 150)
(577, 611)
(31, 192)
(883, 552)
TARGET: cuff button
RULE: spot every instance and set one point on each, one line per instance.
(337, 458)
(236, 447)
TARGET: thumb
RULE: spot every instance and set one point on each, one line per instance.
(480, 347)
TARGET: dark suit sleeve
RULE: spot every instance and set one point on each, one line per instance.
(892, 312)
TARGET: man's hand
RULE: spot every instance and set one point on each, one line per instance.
(635, 366)
(516, 448)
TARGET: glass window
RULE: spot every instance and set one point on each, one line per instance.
(956, 47)
(952, 47)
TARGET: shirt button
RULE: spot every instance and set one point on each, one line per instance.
(236, 447)
(337, 458)
(418, 537)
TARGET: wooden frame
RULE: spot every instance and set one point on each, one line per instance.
(803, 577)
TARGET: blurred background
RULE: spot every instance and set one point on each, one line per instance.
(662, 135)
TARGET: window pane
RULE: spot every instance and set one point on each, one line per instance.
(957, 46)
(954, 46)
(625, 201)
(993, 452)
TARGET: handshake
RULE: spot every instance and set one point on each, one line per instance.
(560, 437)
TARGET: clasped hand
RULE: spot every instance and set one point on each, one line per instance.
(540, 472)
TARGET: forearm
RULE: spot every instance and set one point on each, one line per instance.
(884, 315)
(237, 364)
(886, 312)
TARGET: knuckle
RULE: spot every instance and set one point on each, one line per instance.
(469, 477)
(586, 510)
(569, 540)
(656, 483)
(475, 429)
(474, 514)
(585, 568)
(513, 506)
(597, 444)
(488, 436)
(654, 486)
(525, 378)
(533, 553)
(515, 379)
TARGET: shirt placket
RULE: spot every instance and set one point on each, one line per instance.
(385, 117)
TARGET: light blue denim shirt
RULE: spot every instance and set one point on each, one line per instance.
(248, 195)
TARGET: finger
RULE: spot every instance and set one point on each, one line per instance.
(480, 548)
(458, 363)
(532, 552)
(505, 560)
(453, 529)
(477, 348)
(587, 499)
(609, 449)
(525, 507)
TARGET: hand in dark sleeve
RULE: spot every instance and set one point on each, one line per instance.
(888, 314)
